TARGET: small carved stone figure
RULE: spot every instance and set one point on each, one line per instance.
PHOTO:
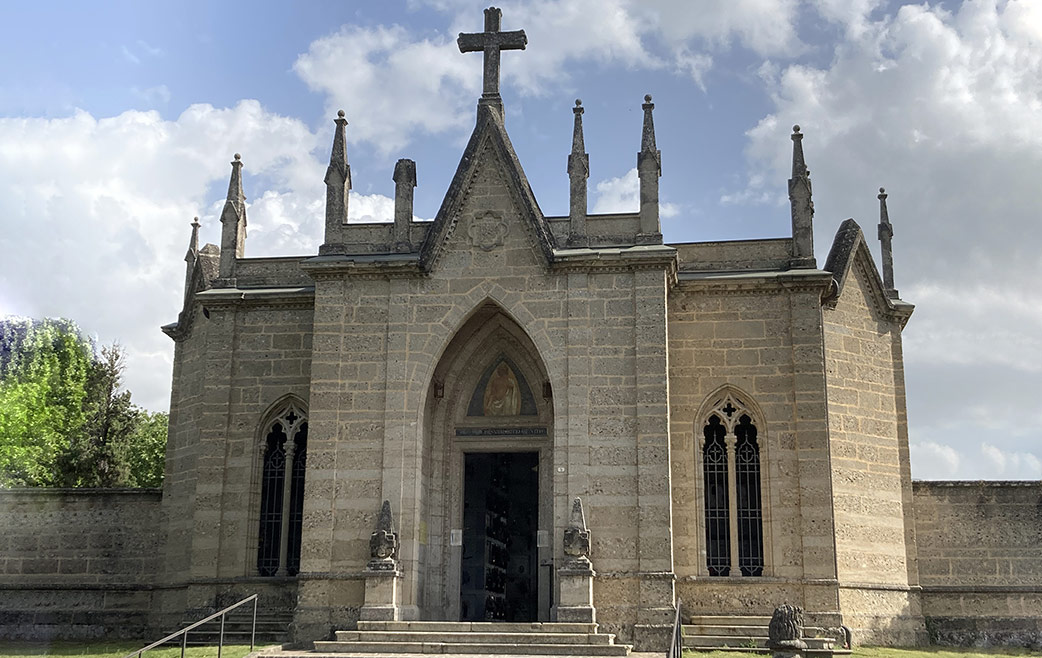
(785, 633)
(383, 543)
(502, 393)
(576, 535)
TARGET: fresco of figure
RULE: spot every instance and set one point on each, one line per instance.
(502, 393)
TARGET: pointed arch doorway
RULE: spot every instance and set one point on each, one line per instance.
(488, 426)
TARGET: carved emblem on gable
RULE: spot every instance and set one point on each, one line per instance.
(487, 231)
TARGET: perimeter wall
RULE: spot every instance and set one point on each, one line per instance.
(980, 561)
(77, 563)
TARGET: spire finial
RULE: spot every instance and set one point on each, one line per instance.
(193, 242)
(233, 224)
(404, 181)
(802, 207)
(886, 234)
(647, 136)
(192, 255)
(799, 165)
(235, 183)
(338, 183)
(578, 173)
(578, 145)
(649, 170)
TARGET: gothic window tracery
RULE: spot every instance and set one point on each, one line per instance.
(282, 492)
(732, 489)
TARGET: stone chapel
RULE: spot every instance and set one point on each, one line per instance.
(730, 415)
(507, 416)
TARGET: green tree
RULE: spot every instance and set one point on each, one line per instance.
(146, 450)
(44, 366)
(65, 419)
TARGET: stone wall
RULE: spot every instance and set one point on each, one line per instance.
(77, 563)
(868, 479)
(980, 561)
(761, 336)
(235, 363)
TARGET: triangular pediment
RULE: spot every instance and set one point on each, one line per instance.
(850, 251)
(489, 140)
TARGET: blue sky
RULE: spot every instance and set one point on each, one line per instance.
(117, 123)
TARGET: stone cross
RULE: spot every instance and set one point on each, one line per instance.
(491, 41)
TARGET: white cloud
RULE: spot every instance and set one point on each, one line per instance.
(766, 27)
(391, 85)
(980, 324)
(615, 195)
(96, 214)
(1010, 465)
(622, 195)
(853, 15)
(157, 95)
(934, 461)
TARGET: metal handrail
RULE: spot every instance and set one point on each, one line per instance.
(676, 641)
(220, 643)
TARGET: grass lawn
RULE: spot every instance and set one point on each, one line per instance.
(888, 652)
(113, 650)
(120, 649)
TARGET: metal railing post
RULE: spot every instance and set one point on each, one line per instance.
(676, 642)
(183, 633)
(220, 639)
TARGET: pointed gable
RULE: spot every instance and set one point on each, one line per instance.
(489, 137)
(849, 250)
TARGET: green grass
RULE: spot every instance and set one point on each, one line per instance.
(113, 650)
(888, 652)
(120, 649)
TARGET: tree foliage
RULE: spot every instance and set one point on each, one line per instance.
(64, 418)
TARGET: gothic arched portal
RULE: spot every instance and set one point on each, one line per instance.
(488, 439)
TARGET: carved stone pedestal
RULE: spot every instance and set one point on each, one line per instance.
(382, 589)
(575, 577)
(575, 603)
(383, 578)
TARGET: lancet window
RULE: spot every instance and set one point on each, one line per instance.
(732, 489)
(282, 492)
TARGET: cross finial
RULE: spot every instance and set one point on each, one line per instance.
(491, 41)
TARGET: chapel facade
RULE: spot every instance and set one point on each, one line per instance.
(729, 415)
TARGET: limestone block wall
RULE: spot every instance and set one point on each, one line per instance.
(378, 341)
(239, 360)
(868, 474)
(980, 561)
(77, 563)
(761, 336)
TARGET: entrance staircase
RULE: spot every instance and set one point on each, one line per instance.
(442, 637)
(748, 634)
(272, 628)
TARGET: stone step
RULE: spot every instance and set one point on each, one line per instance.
(473, 637)
(467, 648)
(477, 626)
(723, 629)
(747, 642)
(817, 653)
(724, 620)
(272, 628)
